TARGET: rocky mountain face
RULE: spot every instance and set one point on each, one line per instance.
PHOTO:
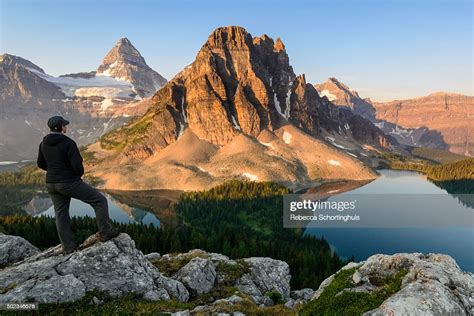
(431, 285)
(440, 120)
(94, 102)
(239, 89)
(341, 95)
(450, 115)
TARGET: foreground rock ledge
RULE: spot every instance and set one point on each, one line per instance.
(433, 285)
(115, 267)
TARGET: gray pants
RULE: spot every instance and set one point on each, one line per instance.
(61, 194)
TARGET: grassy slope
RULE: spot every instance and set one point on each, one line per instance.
(333, 302)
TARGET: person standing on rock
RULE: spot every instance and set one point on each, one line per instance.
(60, 157)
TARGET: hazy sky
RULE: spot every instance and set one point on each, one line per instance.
(384, 49)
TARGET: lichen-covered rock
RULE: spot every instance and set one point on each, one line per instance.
(198, 275)
(433, 284)
(266, 275)
(115, 267)
(57, 289)
(14, 249)
(303, 294)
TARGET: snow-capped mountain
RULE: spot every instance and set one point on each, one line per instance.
(94, 102)
(124, 63)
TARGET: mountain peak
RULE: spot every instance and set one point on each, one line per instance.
(279, 46)
(124, 62)
(9, 60)
(123, 41)
(229, 36)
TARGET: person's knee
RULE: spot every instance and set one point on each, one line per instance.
(102, 200)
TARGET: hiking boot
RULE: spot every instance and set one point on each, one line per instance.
(108, 236)
(69, 251)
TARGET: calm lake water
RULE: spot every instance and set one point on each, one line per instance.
(41, 205)
(153, 207)
(364, 242)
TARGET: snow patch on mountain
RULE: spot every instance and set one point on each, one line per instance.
(327, 94)
(334, 162)
(236, 125)
(287, 137)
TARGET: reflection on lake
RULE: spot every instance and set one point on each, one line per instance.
(142, 207)
(363, 242)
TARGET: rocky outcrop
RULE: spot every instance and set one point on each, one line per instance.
(14, 249)
(254, 277)
(266, 275)
(429, 284)
(198, 275)
(432, 284)
(115, 267)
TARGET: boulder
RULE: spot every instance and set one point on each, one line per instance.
(433, 284)
(303, 294)
(115, 267)
(198, 275)
(152, 257)
(266, 275)
(14, 249)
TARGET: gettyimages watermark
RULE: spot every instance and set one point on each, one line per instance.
(378, 210)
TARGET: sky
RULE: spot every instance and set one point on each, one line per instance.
(384, 49)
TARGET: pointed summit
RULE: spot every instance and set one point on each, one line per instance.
(124, 62)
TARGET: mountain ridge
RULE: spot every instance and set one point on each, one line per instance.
(94, 103)
(238, 84)
(424, 121)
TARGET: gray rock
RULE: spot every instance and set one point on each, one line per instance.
(303, 294)
(96, 301)
(115, 267)
(231, 300)
(57, 289)
(434, 284)
(198, 275)
(265, 275)
(356, 278)
(202, 309)
(181, 313)
(175, 289)
(291, 303)
(14, 249)
(153, 256)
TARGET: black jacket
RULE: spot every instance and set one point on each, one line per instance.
(60, 157)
